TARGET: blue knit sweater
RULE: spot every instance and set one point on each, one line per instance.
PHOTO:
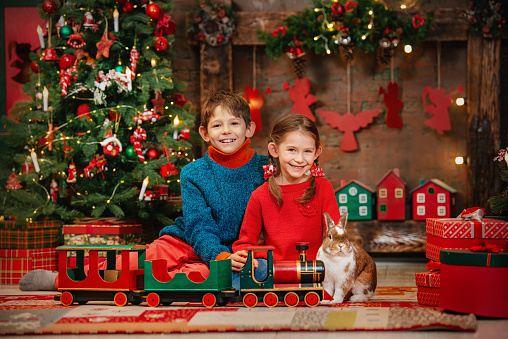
(214, 202)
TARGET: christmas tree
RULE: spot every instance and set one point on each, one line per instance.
(107, 132)
(499, 203)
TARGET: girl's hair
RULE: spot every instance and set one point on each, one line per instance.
(285, 124)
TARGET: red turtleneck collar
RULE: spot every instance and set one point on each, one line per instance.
(232, 160)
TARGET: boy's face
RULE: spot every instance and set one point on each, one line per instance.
(225, 131)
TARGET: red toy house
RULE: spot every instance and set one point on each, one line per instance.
(391, 197)
(432, 199)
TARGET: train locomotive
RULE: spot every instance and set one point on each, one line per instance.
(291, 282)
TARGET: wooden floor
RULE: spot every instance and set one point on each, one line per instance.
(390, 273)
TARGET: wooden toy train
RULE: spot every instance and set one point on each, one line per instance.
(290, 282)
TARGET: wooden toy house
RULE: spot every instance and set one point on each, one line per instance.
(391, 196)
(355, 198)
(432, 199)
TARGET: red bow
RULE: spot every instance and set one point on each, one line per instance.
(350, 4)
(337, 8)
(316, 171)
(482, 247)
(269, 170)
(281, 29)
(472, 213)
(418, 21)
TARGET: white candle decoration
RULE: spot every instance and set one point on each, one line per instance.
(129, 80)
(41, 37)
(115, 20)
(176, 122)
(143, 189)
(45, 95)
(35, 162)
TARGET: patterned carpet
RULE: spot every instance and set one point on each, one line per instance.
(391, 309)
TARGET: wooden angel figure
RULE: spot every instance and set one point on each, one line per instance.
(300, 95)
(439, 107)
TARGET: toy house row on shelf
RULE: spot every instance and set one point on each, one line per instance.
(431, 199)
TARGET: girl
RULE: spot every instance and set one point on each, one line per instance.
(289, 207)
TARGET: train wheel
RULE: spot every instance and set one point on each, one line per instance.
(66, 298)
(291, 299)
(120, 299)
(250, 300)
(209, 300)
(312, 299)
(153, 299)
(270, 299)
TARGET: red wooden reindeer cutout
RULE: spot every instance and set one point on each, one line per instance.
(299, 94)
(255, 102)
(441, 102)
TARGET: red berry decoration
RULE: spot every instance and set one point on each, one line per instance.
(67, 60)
(128, 7)
(49, 6)
(154, 11)
(35, 67)
(152, 153)
(161, 44)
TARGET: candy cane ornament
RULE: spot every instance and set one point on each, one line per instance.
(139, 134)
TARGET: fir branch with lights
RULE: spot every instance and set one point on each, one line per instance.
(365, 24)
(499, 203)
(486, 18)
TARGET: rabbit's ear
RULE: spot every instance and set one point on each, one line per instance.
(343, 221)
(329, 221)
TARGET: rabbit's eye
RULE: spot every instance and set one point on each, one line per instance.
(330, 236)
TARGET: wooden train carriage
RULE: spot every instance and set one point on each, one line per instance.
(163, 289)
(79, 286)
(290, 282)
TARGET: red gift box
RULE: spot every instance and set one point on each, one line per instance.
(428, 296)
(457, 228)
(428, 284)
(102, 229)
(428, 279)
(15, 263)
(436, 244)
(29, 235)
(474, 282)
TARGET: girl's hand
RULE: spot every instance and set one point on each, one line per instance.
(238, 260)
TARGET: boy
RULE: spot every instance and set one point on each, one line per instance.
(215, 193)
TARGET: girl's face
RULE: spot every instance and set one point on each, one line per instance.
(296, 154)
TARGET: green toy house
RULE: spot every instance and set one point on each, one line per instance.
(355, 198)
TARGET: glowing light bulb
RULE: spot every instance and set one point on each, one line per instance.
(460, 101)
(408, 49)
(459, 160)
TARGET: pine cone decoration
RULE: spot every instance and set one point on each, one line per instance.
(384, 55)
(347, 52)
(299, 64)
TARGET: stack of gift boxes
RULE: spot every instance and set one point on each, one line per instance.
(101, 233)
(27, 246)
(475, 251)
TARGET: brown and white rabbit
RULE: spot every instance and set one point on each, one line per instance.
(350, 272)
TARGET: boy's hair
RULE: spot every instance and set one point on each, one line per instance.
(285, 124)
(234, 103)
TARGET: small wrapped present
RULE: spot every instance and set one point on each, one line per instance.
(428, 284)
(103, 228)
(30, 235)
(475, 282)
(15, 263)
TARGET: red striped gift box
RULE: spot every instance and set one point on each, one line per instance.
(15, 263)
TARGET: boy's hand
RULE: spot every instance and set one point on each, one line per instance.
(238, 260)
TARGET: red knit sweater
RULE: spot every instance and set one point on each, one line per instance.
(292, 223)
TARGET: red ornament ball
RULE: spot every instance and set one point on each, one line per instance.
(154, 11)
(49, 6)
(83, 110)
(161, 44)
(35, 67)
(170, 29)
(128, 7)
(67, 61)
(152, 153)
